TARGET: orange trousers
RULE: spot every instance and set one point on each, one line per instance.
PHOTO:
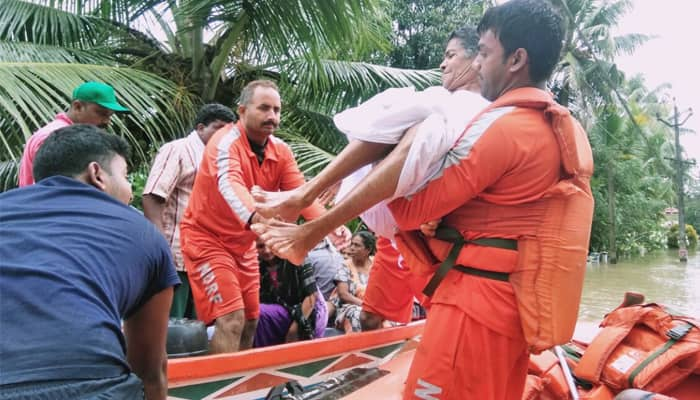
(459, 358)
(392, 287)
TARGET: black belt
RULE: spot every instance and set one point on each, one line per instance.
(455, 237)
(497, 276)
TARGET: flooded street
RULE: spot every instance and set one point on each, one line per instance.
(660, 277)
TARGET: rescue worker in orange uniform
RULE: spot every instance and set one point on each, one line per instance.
(217, 244)
(392, 288)
(473, 346)
(494, 179)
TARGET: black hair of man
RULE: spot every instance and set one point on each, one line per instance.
(214, 112)
(468, 38)
(533, 25)
(68, 151)
(249, 90)
(368, 240)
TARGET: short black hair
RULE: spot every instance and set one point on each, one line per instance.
(69, 150)
(533, 25)
(468, 38)
(214, 112)
(368, 240)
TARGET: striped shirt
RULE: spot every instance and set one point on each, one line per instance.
(171, 178)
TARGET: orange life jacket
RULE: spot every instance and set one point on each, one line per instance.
(546, 381)
(644, 347)
(553, 231)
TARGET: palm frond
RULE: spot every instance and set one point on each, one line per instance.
(627, 44)
(31, 93)
(29, 52)
(316, 127)
(9, 171)
(302, 28)
(332, 86)
(310, 157)
(28, 22)
(122, 11)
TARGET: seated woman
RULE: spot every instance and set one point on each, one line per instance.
(351, 282)
(291, 305)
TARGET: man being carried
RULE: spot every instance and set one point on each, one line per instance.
(168, 189)
(394, 287)
(76, 261)
(374, 127)
(93, 103)
(217, 244)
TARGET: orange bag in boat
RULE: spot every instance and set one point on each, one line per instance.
(546, 369)
(546, 381)
(644, 347)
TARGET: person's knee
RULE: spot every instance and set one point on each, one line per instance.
(232, 323)
(370, 321)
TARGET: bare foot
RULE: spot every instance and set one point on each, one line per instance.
(284, 205)
(288, 241)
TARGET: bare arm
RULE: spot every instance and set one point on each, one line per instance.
(153, 206)
(346, 296)
(146, 333)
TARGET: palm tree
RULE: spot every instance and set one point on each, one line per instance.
(201, 51)
(587, 75)
(632, 181)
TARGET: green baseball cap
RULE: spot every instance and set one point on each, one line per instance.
(99, 93)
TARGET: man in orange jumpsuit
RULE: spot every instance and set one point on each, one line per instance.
(473, 346)
(217, 244)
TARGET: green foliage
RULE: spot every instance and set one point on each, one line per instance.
(692, 211)
(138, 180)
(47, 47)
(421, 28)
(9, 172)
(691, 236)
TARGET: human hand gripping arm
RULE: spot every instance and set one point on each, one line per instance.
(146, 332)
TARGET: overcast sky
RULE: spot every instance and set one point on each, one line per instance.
(671, 57)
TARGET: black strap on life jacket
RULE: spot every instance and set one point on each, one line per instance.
(452, 235)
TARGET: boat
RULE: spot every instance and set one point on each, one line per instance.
(252, 373)
(357, 366)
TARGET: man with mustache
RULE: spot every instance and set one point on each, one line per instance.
(93, 103)
(217, 244)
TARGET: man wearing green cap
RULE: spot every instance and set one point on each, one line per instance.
(93, 103)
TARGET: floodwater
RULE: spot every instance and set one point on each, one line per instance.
(661, 277)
